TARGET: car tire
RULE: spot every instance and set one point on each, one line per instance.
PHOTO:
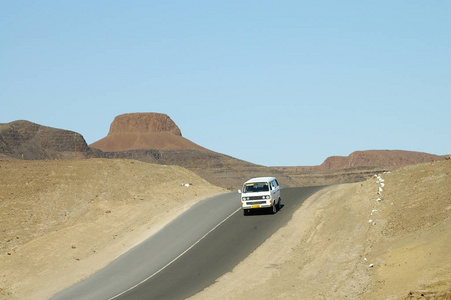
(278, 204)
(245, 212)
(273, 208)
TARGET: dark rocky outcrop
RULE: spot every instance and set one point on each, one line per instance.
(27, 140)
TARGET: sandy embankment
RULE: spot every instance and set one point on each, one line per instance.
(349, 242)
(65, 215)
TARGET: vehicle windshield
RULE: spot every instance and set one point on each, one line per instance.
(255, 187)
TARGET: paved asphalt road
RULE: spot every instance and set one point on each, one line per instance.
(190, 253)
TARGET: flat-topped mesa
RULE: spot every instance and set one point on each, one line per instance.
(143, 123)
(144, 131)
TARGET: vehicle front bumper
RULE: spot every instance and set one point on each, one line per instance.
(256, 204)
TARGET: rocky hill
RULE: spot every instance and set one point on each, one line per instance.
(155, 138)
(147, 137)
(144, 131)
(390, 159)
(358, 166)
(27, 140)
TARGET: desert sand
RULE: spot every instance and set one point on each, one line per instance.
(385, 238)
(62, 215)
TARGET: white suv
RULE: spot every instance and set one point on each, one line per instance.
(261, 192)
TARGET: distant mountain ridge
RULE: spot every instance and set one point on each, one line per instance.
(358, 166)
(155, 138)
(392, 159)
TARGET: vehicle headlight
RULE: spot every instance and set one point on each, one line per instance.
(267, 197)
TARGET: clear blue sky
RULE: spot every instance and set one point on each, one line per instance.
(270, 82)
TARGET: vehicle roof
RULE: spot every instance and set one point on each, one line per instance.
(260, 179)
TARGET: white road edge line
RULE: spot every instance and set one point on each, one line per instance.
(169, 263)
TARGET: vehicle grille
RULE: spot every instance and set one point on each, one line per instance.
(257, 197)
(255, 202)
